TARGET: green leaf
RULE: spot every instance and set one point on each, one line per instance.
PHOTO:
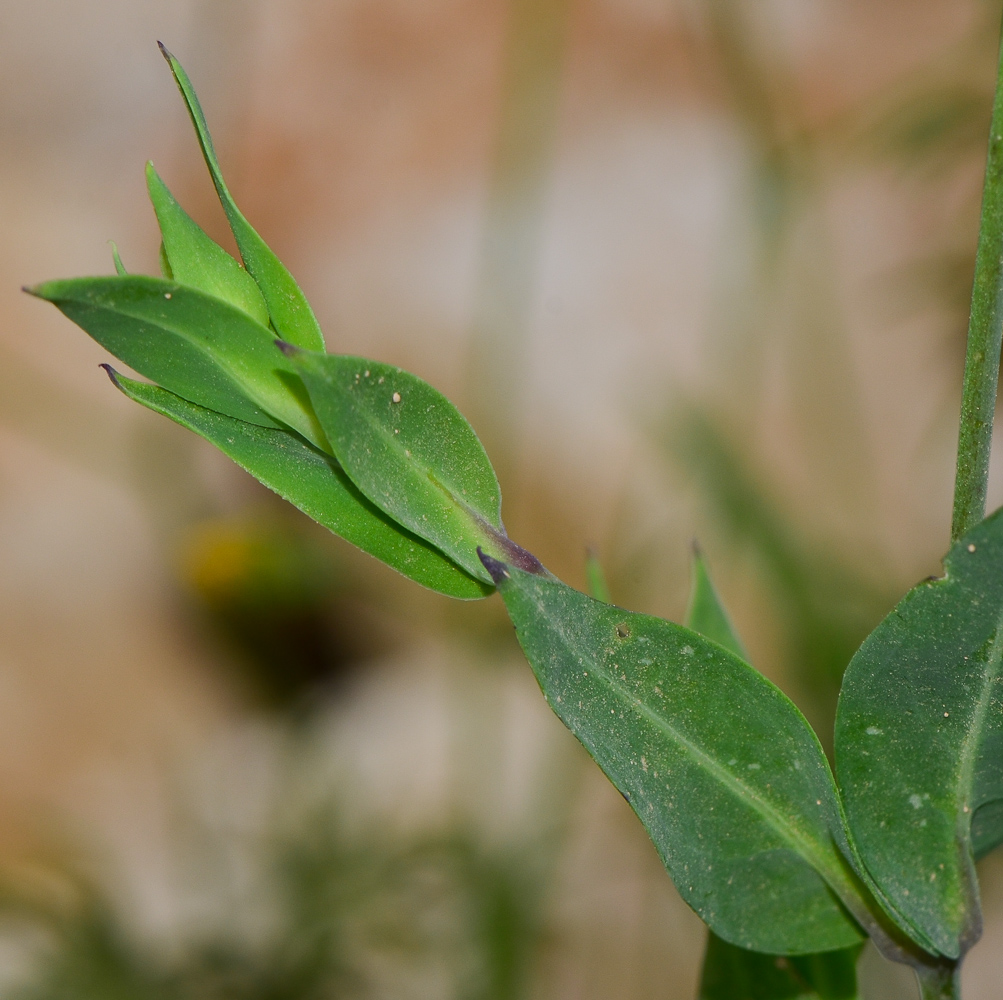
(409, 450)
(117, 260)
(197, 261)
(598, 587)
(290, 312)
(313, 482)
(919, 742)
(706, 613)
(732, 973)
(193, 344)
(722, 769)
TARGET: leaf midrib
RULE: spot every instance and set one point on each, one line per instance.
(419, 467)
(743, 792)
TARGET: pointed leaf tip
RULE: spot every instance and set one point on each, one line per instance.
(112, 374)
(497, 569)
(164, 51)
(289, 350)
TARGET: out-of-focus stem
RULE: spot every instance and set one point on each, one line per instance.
(513, 222)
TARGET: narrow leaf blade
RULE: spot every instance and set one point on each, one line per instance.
(919, 742)
(198, 261)
(409, 450)
(193, 344)
(290, 312)
(706, 613)
(718, 764)
(313, 482)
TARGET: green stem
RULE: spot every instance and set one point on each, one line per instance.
(940, 982)
(978, 403)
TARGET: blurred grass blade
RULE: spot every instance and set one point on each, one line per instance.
(598, 587)
(409, 450)
(919, 742)
(313, 482)
(290, 312)
(731, 972)
(196, 260)
(722, 769)
(193, 344)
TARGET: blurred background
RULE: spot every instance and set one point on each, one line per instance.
(693, 269)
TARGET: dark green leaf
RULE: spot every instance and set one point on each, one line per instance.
(409, 450)
(197, 261)
(290, 312)
(919, 742)
(193, 344)
(313, 482)
(732, 973)
(719, 765)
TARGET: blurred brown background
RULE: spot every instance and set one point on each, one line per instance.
(693, 268)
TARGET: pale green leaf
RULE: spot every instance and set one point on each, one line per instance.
(313, 482)
(288, 308)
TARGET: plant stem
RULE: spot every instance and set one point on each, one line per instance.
(940, 982)
(978, 403)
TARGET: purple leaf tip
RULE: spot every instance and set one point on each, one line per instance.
(289, 350)
(164, 51)
(497, 569)
(112, 374)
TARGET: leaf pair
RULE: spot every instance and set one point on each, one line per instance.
(368, 450)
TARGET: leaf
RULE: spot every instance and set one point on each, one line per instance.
(117, 260)
(598, 587)
(732, 973)
(196, 260)
(193, 344)
(721, 768)
(919, 742)
(705, 613)
(409, 450)
(290, 312)
(313, 482)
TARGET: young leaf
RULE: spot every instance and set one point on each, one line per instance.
(598, 588)
(706, 613)
(197, 261)
(919, 742)
(290, 312)
(193, 344)
(313, 482)
(117, 260)
(731, 972)
(409, 450)
(718, 764)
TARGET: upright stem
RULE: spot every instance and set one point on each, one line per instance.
(982, 361)
(941, 982)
